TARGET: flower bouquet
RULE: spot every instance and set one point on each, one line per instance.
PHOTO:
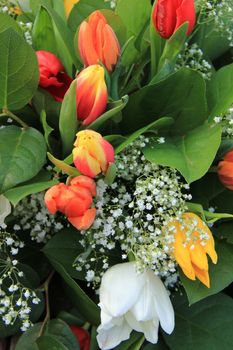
(116, 154)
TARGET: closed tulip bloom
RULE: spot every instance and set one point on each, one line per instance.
(225, 170)
(91, 94)
(53, 77)
(98, 42)
(192, 242)
(74, 201)
(92, 154)
(169, 15)
(132, 301)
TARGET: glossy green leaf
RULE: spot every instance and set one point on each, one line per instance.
(68, 122)
(221, 274)
(63, 166)
(18, 71)
(47, 129)
(7, 22)
(205, 325)
(43, 37)
(48, 342)
(110, 174)
(191, 154)
(27, 341)
(180, 96)
(117, 107)
(220, 92)
(23, 153)
(160, 123)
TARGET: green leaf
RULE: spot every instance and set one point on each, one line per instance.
(68, 122)
(18, 71)
(64, 39)
(221, 274)
(134, 338)
(64, 247)
(63, 166)
(161, 345)
(110, 174)
(17, 193)
(7, 22)
(205, 325)
(220, 94)
(22, 155)
(136, 26)
(83, 9)
(160, 123)
(27, 341)
(111, 113)
(191, 154)
(43, 37)
(180, 96)
(49, 342)
(47, 129)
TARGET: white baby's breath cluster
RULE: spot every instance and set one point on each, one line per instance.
(192, 57)
(130, 215)
(226, 121)
(220, 13)
(15, 298)
(32, 215)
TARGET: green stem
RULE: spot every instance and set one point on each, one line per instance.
(6, 112)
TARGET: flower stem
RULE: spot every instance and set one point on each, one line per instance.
(6, 112)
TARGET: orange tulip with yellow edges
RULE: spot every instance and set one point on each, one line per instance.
(192, 242)
(98, 42)
(92, 154)
(74, 201)
(91, 94)
(225, 170)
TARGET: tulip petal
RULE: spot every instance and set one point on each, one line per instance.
(143, 309)
(108, 339)
(202, 275)
(149, 328)
(198, 256)
(85, 163)
(86, 182)
(186, 13)
(83, 222)
(120, 288)
(162, 303)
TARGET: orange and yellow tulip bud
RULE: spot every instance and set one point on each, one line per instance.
(69, 4)
(91, 94)
(92, 153)
(98, 42)
(192, 241)
(74, 201)
(225, 170)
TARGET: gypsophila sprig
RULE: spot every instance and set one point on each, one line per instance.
(131, 212)
(226, 121)
(16, 299)
(32, 215)
(192, 57)
(220, 13)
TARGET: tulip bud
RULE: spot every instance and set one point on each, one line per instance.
(74, 201)
(53, 77)
(91, 95)
(92, 154)
(98, 42)
(225, 170)
(169, 15)
(82, 337)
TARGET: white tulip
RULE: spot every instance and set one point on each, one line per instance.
(128, 301)
(5, 208)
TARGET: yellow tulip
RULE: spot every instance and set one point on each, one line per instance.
(192, 241)
(69, 5)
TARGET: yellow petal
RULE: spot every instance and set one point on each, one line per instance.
(202, 275)
(198, 256)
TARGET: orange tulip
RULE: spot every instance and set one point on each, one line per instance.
(91, 94)
(192, 241)
(98, 42)
(92, 154)
(74, 201)
(225, 170)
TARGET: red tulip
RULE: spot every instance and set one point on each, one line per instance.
(225, 170)
(98, 42)
(169, 15)
(92, 153)
(82, 337)
(74, 201)
(91, 95)
(53, 77)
